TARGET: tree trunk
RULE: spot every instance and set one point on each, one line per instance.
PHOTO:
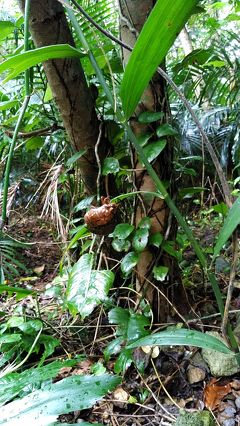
(132, 17)
(48, 26)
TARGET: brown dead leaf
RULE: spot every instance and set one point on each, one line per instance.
(214, 392)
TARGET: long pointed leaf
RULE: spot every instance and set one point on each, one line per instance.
(183, 337)
(157, 36)
(41, 408)
(231, 222)
(23, 61)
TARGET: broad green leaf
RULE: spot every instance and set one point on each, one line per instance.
(145, 223)
(10, 338)
(230, 223)
(157, 36)
(160, 272)
(124, 361)
(86, 288)
(143, 139)
(156, 239)
(182, 337)
(221, 208)
(33, 143)
(76, 157)
(136, 326)
(6, 28)
(166, 130)
(21, 62)
(113, 348)
(42, 407)
(168, 247)
(122, 231)
(121, 245)
(153, 149)
(110, 165)
(140, 239)
(128, 262)
(7, 105)
(12, 384)
(149, 116)
(120, 317)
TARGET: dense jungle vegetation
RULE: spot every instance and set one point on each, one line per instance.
(120, 212)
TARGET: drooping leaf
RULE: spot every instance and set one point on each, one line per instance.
(157, 36)
(42, 407)
(140, 239)
(128, 262)
(86, 287)
(23, 61)
(153, 149)
(110, 165)
(122, 231)
(182, 337)
(230, 223)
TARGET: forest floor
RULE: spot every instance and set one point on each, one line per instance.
(177, 378)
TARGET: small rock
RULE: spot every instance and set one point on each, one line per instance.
(237, 402)
(195, 374)
(220, 364)
(228, 422)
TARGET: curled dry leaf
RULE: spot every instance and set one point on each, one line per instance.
(214, 393)
(100, 220)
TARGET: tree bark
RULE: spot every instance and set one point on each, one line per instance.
(48, 26)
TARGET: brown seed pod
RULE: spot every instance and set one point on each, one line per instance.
(101, 220)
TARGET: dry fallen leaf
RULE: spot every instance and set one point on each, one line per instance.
(214, 393)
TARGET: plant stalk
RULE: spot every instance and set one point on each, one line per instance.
(19, 121)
